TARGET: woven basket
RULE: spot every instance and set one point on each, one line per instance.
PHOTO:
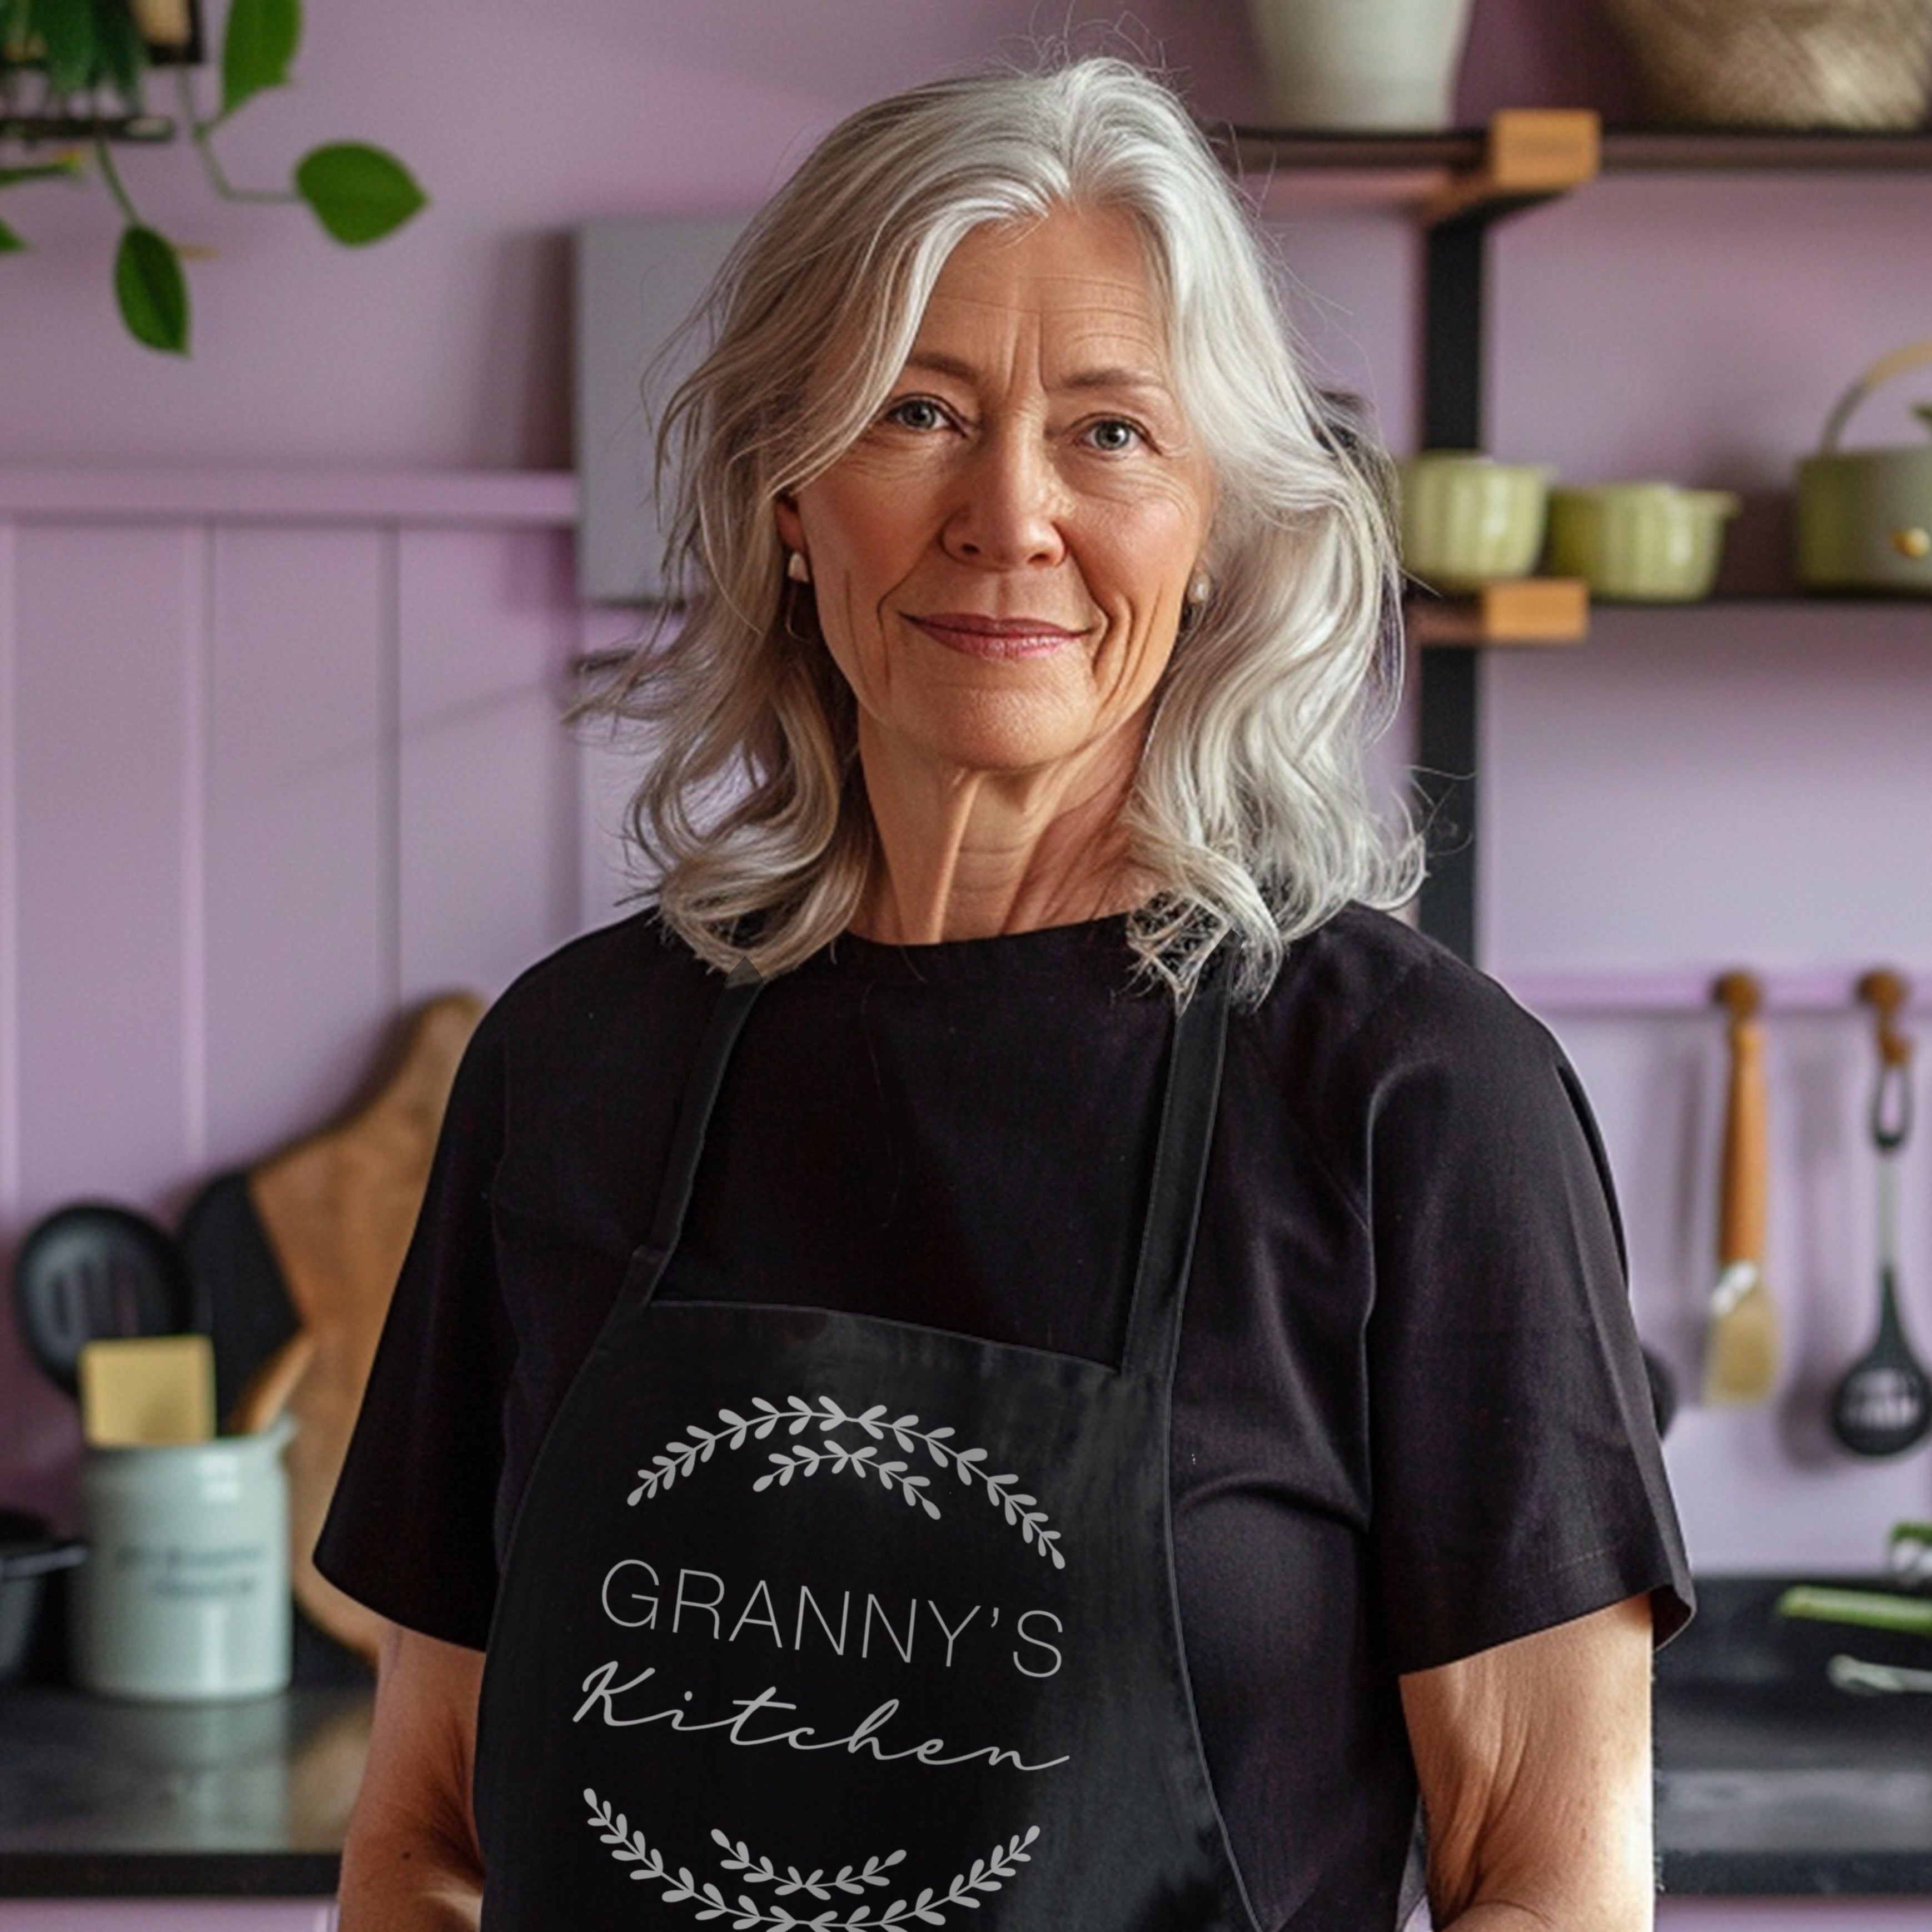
(1782, 63)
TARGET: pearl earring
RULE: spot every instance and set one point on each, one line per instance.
(796, 567)
(1201, 588)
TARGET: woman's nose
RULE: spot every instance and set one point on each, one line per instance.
(1010, 505)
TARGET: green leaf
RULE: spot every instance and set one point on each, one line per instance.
(257, 46)
(10, 243)
(152, 290)
(359, 193)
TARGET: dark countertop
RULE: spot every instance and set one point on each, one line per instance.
(103, 1799)
(1770, 1782)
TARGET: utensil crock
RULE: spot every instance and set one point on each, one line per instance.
(187, 1594)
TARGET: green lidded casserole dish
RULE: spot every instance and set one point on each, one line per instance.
(1642, 542)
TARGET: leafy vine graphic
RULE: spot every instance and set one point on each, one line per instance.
(698, 1443)
(746, 1914)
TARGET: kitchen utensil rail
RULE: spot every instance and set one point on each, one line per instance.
(1686, 994)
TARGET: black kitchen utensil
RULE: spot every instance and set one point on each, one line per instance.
(1883, 1405)
(94, 1270)
(241, 1300)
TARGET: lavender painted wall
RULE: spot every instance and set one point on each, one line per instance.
(445, 346)
(1747, 784)
(265, 778)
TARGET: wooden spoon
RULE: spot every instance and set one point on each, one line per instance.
(1741, 1345)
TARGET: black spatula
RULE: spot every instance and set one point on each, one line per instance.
(241, 1300)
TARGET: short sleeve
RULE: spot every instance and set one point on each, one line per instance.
(1519, 1481)
(410, 1531)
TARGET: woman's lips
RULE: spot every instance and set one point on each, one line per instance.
(976, 637)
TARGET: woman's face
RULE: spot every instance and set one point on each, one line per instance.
(999, 562)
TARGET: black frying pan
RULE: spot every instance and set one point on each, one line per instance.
(92, 1271)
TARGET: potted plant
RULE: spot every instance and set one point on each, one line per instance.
(73, 80)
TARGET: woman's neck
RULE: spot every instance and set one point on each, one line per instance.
(970, 855)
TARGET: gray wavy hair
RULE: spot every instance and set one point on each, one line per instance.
(1251, 809)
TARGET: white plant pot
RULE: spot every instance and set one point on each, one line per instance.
(1386, 64)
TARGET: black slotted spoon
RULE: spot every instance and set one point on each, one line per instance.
(1882, 1405)
(92, 1271)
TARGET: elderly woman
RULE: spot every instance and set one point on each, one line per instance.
(1011, 1353)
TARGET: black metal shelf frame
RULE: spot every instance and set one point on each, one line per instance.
(1455, 283)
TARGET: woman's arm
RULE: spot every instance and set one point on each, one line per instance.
(411, 1863)
(1534, 1761)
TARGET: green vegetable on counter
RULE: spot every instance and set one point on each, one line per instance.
(1874, 1610)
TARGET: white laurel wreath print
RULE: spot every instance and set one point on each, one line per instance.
(697, 1444)
(929, 1908)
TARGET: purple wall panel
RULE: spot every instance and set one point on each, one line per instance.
(1790, 1914)
(1749, 782)
(104, 741)
(199, 1915)
(262, 781)
(301, 930)
(99, 744)
(487, 785)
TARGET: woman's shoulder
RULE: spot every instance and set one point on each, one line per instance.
(634, 974)
(1363, 968)
(1366, 1006)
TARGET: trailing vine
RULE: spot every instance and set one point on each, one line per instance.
(72, 75)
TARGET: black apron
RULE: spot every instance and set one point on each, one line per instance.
(817, 1620)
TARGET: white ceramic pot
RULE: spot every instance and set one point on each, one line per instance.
(1386, 65)
(185, 1593)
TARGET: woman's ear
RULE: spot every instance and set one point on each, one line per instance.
(791, 525)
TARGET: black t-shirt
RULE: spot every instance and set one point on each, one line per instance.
(1411, 1418)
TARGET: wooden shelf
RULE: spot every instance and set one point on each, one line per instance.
(1525, 610)
(1413, 167)
(1768, 151)
(1525, 155)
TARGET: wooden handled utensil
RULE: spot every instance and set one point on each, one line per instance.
(1741, 1343)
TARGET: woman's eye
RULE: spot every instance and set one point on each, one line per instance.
(1113, 434)
(920, 413)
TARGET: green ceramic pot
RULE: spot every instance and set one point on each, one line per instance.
(1864, 517)
(1467, 521)
(1647, 543)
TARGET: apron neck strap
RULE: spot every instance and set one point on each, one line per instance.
(742, 985)
(1179, 1176)
(1180, 1164)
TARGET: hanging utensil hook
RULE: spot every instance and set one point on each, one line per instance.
(1887, 993)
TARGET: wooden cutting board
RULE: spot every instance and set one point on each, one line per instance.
(338, 1208)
